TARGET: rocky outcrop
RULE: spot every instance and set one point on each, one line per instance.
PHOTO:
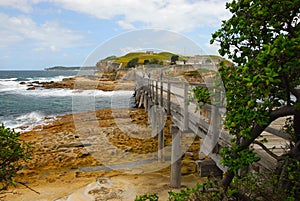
(68, 155)
(104, 82)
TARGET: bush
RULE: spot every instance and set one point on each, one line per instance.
(13, 151)
(146, 197)
(132, 63)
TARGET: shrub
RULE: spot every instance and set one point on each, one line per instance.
(146, 197)
(13, 151)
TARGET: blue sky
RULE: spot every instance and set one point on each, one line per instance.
(35, 34)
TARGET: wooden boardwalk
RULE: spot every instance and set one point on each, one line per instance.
(172, 97)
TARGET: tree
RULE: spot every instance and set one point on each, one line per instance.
(132, 63)
(154, 61)
(13, 151)
(262, 38)
(174, 58)
(146, 61)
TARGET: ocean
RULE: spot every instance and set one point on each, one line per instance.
(24, 109)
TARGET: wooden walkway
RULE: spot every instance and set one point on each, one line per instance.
(171, 97)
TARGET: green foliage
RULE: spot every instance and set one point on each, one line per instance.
(182, 195)
(13, 151)
(143, 57)
(208, 191)
(211, 94)
(262, 38)
(289, 127)
(263, 186)
(109, 58)
(201, 95)
(132, 63)
(243, 159)
(174, 58)
(252, 186)
(147, 197)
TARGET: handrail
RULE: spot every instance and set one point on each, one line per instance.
(274, 131)
(206, 123)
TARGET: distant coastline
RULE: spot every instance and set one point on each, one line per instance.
(70, 68)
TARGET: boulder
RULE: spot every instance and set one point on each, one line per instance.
(31, 88)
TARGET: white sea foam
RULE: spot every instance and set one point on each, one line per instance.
(28, 121)
(68, 92)
(48, 79)
(8, 79)
(12, 85)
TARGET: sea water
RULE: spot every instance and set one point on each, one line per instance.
(23, 109)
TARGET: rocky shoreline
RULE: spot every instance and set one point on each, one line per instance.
(104, 82)
(75, 160)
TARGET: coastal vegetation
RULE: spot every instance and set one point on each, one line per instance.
(13, 152)
(262, 39)
(140, 58)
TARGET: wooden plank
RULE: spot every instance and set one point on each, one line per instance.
(169, 99)
(160, 131)
(161, 94)
(279, 133)
(185, 107)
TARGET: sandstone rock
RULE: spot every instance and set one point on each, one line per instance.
(188, 167)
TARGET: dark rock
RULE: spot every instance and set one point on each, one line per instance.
(31, 88)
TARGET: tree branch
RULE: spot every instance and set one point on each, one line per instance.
(282, 112)
(266, 150)
(257, 129)
(295, 92)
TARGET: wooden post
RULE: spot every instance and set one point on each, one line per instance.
(141, 101)
(153, 111)
(161, 93)
(156, 92)
(153, 92)
(160, 131)
(169, 98)
(186, 107)
(213, 133)
(175, 181)
(150, 104)
(146, 101)
(151, 89)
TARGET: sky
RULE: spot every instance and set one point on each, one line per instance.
(35, 34)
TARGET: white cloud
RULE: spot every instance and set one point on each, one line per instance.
(22, 5)
(49, 35)
(125, 25)
(176, 15)
(126, 50)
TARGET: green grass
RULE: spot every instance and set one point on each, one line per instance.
(162, 56)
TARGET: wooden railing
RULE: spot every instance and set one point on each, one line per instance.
(172, 97)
